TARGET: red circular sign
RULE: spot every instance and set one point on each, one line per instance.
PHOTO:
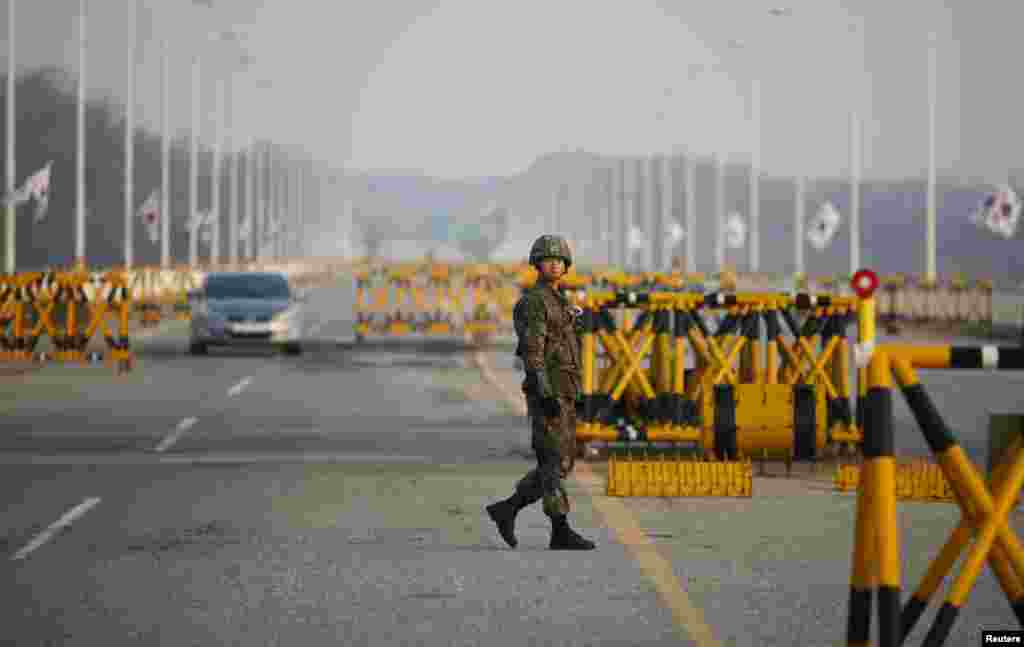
(864, 283)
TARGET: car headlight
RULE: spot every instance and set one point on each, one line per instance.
(285, 321)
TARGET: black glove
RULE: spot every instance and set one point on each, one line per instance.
(548, 402)
(552, 407)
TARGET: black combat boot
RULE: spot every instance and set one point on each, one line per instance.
(565, 538)
(503, 514)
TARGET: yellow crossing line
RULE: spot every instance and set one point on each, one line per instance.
(688, 618)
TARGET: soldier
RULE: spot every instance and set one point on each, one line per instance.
(546, 325)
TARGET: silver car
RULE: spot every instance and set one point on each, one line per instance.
(246, 309)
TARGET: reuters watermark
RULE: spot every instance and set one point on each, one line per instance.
(1002, 637)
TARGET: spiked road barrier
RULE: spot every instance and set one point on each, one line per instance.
(659, 476)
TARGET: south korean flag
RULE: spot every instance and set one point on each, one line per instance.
(636, 238)
(206, 228)
(735, 231)
(245, 229)
(675, 232)
(999, 212)
(36, 187)
(149, 212)
(823, 226)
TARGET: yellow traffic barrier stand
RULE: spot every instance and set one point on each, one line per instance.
(183, 282)
(983, 532)
(34, 299)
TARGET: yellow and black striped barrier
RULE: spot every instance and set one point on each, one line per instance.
(985, 511)
(86, 301)
(745, 394)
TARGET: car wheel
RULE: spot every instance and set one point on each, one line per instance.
(293, 349)
(197, 348)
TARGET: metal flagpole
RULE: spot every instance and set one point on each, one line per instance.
(9, 164)
(623, 199)
(193, 180)
(930, 233)
(218, 140)
(649, 217)
(297, 205)
(798, 224)
(234, 168)
(855, 162)
(279, 202)
(854, 192)
(300, 205)
(129, 142)
(250, 201)
(691, 213)
(270, 212)
(80, 146)
(165, 161)
(668, 249)
(256, 239)
(275, 182)
(755, 181)
(719, 212)
(609, 181)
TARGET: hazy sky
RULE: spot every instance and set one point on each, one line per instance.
(482, 87)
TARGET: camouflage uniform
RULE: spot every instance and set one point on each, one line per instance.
(548, 329)
(546, 325)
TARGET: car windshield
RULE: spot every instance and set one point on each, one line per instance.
(247, 286)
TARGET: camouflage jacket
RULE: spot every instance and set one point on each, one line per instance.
(548, 331)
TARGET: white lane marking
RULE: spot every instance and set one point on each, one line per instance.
(54, 527)
(236, 389)
(172, 437)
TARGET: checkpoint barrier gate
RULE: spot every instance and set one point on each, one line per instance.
(154, 290)
(784, 395)
(435, 299)
(875, 574)
(875, 571)
(397, 299)
(86, 301)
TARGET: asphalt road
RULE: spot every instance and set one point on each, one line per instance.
(336, 498)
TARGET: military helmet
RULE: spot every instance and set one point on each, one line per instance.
(548, 246)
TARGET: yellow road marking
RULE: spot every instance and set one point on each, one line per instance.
(689, 619)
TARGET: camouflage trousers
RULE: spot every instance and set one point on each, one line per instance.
(554, 443)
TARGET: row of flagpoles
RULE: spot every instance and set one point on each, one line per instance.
(36, 190)
(998, 214)
(291, 182)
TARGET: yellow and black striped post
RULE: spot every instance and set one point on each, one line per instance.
(879, 451)
(862, 579)
(754, 351)
(659, 411)
(841, 375)
(589, 417)
(876, 553)
(771, 322)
